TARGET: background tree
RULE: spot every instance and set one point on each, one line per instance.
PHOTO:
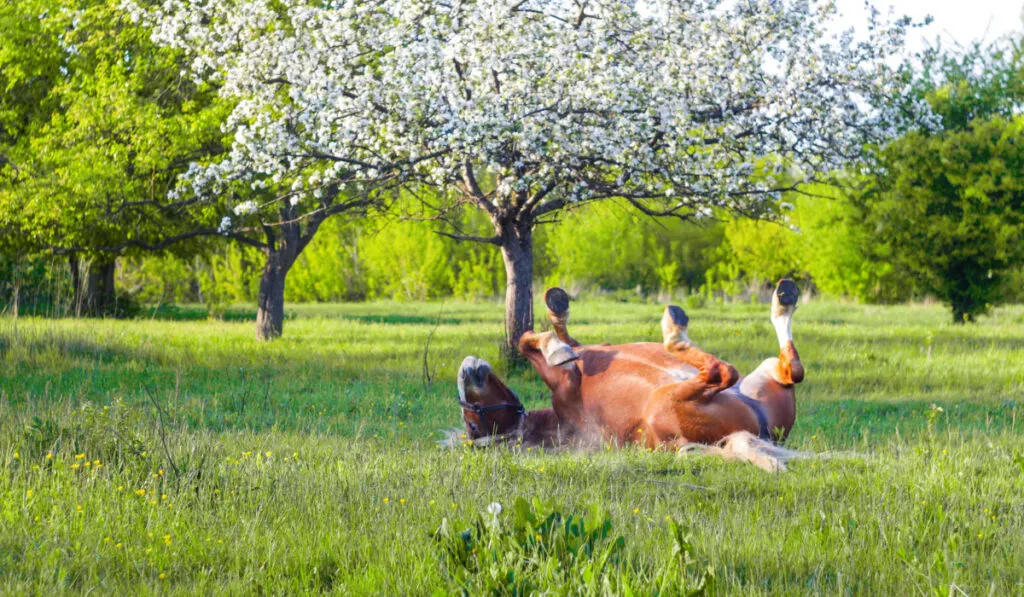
(949, 208)
(524, 109)
(538, 106)
(95, 131)
(310, 132)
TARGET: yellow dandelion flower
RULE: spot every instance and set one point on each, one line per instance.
(401, 501)
(140, 491)
(454, 505)
(385, 500)
(120, 487)
(143, 453)
(87, 463)
(78, 508)
(49, 455)
(149, 549)
(29, 493)
(636, 510)
(163, 497)
(107, 540)
(79, 456)
(161, 472)
(74, 466)
(151, 535)
(162, 576)
(981, 535)
(118, 546)
(17, 455)
(96, 462)
(269, 454)
(431, 502)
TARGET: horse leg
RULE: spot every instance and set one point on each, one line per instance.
(554, 360)
(772, 383)
(679, 413)
(789, 370)
(557, 301)
(713, 371)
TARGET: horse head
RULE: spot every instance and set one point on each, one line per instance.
(489, 407)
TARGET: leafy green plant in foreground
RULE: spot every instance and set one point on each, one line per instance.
(537, 548)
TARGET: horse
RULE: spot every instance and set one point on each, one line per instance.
(666, 395)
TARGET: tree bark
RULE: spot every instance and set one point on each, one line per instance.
(76, 285)
(93, 295)
(517, 253)
(270, 303)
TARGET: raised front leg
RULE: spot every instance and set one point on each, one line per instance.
(555, 362)
(557, 302)
(714, 372)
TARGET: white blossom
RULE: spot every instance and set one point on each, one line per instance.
(678, 100)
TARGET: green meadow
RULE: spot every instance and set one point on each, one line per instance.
(175, 455)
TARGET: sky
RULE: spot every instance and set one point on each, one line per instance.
(955, 20)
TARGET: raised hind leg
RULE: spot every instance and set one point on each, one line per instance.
(789, 370)
(557, 302)
(772, 383)
(714, 372)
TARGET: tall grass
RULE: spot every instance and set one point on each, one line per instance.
(153, 456)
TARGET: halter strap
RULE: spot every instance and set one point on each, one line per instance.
(480, 410)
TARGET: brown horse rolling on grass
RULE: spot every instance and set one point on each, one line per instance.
(659, 395)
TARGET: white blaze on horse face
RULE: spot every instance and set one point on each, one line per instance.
(471, 369)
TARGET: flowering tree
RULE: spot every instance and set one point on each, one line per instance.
(305, 145)
(524, 108)
(678, 107)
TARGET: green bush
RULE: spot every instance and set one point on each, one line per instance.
(538, 550)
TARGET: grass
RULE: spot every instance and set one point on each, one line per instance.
(219, 465)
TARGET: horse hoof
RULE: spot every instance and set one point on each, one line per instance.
(785, 298)
(557, 301)
(677, 315)
(787, 292)
(673, 326)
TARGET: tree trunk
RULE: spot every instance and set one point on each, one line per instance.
(270, 304)
(517, 252)
(93, 295)
(76, 285)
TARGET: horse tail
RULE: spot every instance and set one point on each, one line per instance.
(747, 447)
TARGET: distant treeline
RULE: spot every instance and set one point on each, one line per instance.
(606, 248)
